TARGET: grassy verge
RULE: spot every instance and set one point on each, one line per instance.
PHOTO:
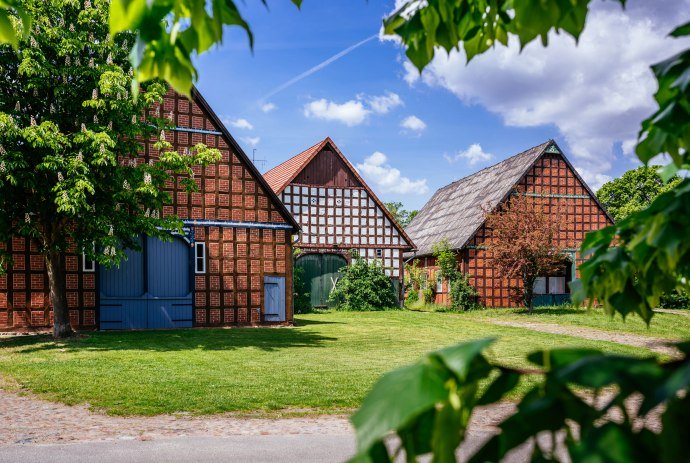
(324, 365)
(663, 325)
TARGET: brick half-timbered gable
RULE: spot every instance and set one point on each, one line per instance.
(337, 210)
(456, 212)
(246, 229)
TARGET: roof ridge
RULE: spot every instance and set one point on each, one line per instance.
(550, 140)
(297, 155)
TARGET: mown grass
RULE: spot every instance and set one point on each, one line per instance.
(663, 325)
(325, 365)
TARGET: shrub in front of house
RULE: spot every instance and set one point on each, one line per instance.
(363, 286)
(463, 296)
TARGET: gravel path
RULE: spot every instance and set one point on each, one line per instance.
(658, 345)
(25, 419)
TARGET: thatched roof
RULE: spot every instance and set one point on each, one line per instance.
(455, 212)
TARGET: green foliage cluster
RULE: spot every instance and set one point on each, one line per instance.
(477, 25)
(402, 216)
(462, 294)
(170, 32)
(301, 300)
(446, 260)
(583, 397)
(428, 295)
(675, 300)
(633, 191)
(363, 286)
(412, 296)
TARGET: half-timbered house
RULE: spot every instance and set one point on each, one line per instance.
(338, 213)
(233, 265)
(456, 212)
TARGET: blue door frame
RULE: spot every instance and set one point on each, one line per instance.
(152, 289)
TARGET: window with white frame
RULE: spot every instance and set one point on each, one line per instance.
(86, 264)
(439, 285)
(199, 257)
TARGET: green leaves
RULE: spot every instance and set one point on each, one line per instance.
(171, 32)
(477, 25)
(15, 23)
(583, 398)
(651, 257)
(428, 404)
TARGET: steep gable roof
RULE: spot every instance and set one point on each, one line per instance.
(201, 101)
(280, 176)
(455, 212)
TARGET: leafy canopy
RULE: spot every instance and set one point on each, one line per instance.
(169, 33)
(71, 136)
(633, 191)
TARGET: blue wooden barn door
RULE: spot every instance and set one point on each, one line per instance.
(169, 283)
(274, 299)
(152, 289)
(123, 294)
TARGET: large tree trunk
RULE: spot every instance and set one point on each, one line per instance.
(58, 295)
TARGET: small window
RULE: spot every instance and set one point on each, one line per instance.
(439, 285)
(88, 265)
(200, 257)
(379, 253)
(556, 285)
(540, 285)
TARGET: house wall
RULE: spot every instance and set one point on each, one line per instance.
(337, 220)
(248, 239)
(551, 180)
(338, 213)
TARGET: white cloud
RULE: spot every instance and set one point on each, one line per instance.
(594, 179)
(238, 123)
(473, 155)
(387, 178)
(384, 103)
(251, 141)
(268, 107)
(595, 93)
(350, 113)
(413, 123)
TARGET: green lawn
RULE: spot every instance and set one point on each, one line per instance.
(663, 325)
(324, 365)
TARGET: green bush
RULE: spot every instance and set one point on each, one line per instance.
(302, 299)
(412, 296)
(363, 286)
(675, 300)
(463, 296)
(428, 295)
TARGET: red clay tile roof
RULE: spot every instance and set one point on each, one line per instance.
(281, 175)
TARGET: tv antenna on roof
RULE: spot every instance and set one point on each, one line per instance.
(254, 160)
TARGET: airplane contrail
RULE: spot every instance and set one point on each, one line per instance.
(316, 68)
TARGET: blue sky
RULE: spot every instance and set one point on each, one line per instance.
(590, 98)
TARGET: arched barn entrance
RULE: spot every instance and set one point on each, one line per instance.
(151, 289)
(321, 273)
